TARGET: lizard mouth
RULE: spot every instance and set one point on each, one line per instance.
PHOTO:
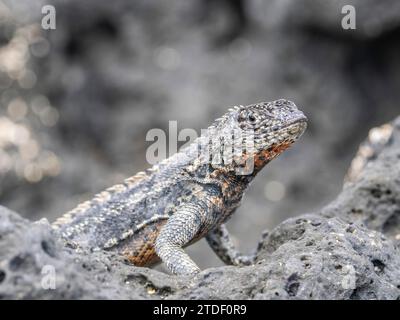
(297, 125)
(302, 120)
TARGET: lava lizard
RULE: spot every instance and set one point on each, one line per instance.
(155, 214)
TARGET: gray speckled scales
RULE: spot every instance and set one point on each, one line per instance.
(116, 214)
(156, 214)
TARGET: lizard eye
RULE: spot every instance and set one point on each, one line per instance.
(252, 118)
(247, 117)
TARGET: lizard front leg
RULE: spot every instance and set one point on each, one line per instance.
(221, 242)
(179, 231)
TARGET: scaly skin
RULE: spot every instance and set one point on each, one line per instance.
(155, 214)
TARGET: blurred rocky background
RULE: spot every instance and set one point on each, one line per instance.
(76, 102)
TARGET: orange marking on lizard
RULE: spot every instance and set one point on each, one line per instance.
(261, 158)
(139, 250)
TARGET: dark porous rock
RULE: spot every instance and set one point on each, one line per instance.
(30, 254)
(373, 198)
(347, 251)
(311, 257)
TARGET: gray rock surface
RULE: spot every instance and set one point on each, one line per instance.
(346, 251)
(29, 252)
(373, 198)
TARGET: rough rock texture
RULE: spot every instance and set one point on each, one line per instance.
(374, 197)
(309, 257)
(334, 254)
(25, 251)
(313, 257)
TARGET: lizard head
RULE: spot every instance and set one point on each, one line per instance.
(272, 126)
(272, 122)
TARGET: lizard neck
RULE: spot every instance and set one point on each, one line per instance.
(232, 185)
